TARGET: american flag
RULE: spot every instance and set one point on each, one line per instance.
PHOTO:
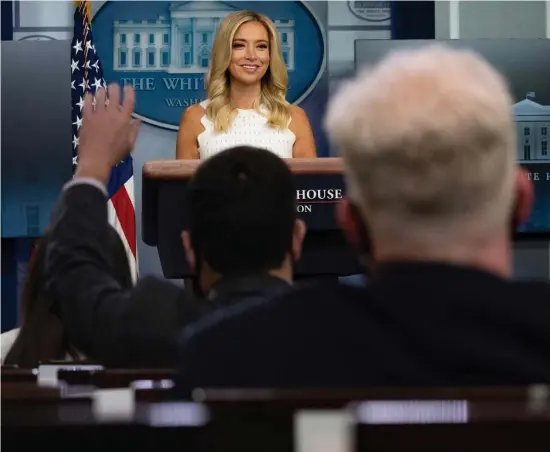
(87, 75)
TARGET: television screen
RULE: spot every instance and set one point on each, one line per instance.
(526, 65)
(36, 133)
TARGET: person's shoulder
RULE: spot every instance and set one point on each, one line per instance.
(193, 114)
(522, 310)
(536, 285)
(10, 335)
(225, 319)
(150, 284)
(195, 111)
(299, 122)
(534, 292)
(7, 340)
(248, 316)
(169, 301)
(330, 292)
(298, 114)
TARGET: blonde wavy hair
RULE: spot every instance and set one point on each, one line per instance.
(274, 83)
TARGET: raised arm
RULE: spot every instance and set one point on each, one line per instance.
(187, 147)
(117, 326)
(304, 147)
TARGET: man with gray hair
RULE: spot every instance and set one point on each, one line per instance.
(429, 147)
(434, 192)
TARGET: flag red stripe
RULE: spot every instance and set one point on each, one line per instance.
(126, 216)
(85, 69)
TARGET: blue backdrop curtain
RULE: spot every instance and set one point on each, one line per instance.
(413, 20)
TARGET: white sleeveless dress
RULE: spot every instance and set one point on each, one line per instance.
(249, 128)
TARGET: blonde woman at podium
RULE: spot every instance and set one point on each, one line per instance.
(246, 84)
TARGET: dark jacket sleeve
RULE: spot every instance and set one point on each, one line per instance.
(117, 327)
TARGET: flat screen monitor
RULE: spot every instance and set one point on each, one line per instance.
(526, 65)
(36, 132)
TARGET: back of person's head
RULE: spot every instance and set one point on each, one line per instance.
(429, 147)
(241, 213)
(42, 336)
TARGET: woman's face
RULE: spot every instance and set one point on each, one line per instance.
(250, 53)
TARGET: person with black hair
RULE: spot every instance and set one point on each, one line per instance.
(241, 239)
(241, 222)
(42, 337)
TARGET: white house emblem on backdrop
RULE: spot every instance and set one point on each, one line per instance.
(533, 130)
(181, 43)
(163, 50)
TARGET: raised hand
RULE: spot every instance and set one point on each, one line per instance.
(108, 132)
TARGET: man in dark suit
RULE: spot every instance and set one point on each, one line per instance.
(241, 240)
(429, 148)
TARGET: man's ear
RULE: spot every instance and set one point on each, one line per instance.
(525, 198)
(189, 251)
(298, 235)
(348, 223)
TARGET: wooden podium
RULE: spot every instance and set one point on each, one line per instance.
(319, 186)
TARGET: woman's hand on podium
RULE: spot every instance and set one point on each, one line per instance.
(108, 132)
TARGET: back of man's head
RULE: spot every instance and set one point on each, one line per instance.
(241, 211)
(429, 146)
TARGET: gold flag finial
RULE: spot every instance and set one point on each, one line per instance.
(87, 6)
